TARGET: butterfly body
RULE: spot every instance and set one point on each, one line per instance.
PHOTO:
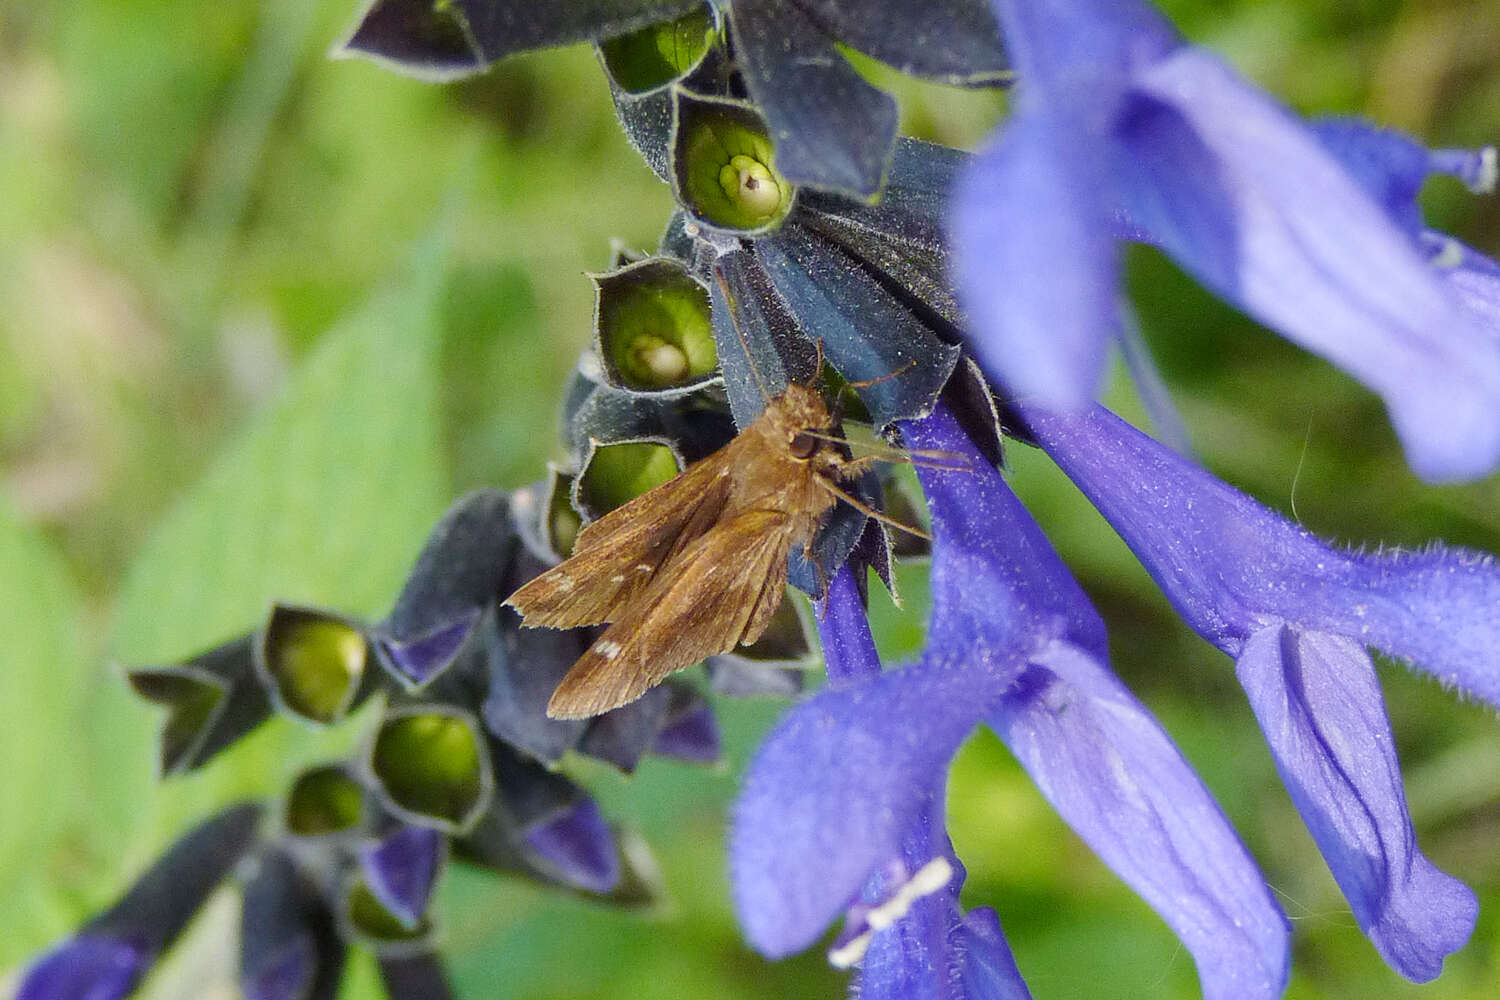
(695, 566)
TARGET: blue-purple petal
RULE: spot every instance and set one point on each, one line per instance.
(86, 967)
(1230, 565)
(920, 946)
(994, 574)
(421, 659)
(835, 786)
(286, 975)
(987, 969)
(401, 869)
(1080, 53)
(692, 736)
(579, 848)
(848, 647)
(1318, 701)
(1110, 770)
(1390, 166)
(1036, 264)
(1296, 218)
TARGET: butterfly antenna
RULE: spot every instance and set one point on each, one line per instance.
(865, 384)
(734, 321)
(869, 511)
(945, 461)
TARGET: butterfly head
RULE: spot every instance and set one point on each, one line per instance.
(800, 421)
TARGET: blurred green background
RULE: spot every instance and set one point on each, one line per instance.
(263, 314)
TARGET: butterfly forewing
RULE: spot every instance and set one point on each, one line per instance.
(722, 590)
(619, 555)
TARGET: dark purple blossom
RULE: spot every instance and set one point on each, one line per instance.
(836, 791)
(579, 848)
(86, 967)
(1123, 132)
(401, 869)
(107, 958)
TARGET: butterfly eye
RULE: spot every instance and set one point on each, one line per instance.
(803, 446)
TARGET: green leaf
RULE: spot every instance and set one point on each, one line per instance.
(323, 501)
(43, 673)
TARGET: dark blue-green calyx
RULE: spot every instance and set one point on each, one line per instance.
(108, 957)
(833, 128)
(457, 577)
(290, 947)
(449, 38)
(211, 700)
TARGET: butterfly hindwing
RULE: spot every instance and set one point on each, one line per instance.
(719, 591)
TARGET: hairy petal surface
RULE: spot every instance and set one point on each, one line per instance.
(1230, 566)
(1249, 201)
(848, 647)
(844, 777)
(1318, 701)
(1111, 771)
(1035, 261)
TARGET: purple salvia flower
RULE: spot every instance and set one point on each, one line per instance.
(401, 869)
(86, 967)
(1392, 168)
(838, 786)
(1122, 131)
(1297, 617)
(579, 848)
(848, 647)
(911, 937)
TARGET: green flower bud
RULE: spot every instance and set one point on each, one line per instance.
(723, 166)
(563, 521)
(371, 923)
(653, 327)
(620, 471)
(324, 800)
(432, 766)
(659, 53)
(314, 662)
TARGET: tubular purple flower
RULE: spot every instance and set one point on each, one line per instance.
(1392, 168)
(843, 779)
(580, 848)
(86, 967)
(915, 940)
(848, 647)
(1122, 131)
(401, 869)
(1297, 617)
